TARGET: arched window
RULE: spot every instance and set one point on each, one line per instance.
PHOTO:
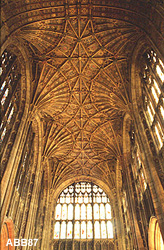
(153, 82)
(155, 236)
(83, 211)
(9, 97)
(7, 232)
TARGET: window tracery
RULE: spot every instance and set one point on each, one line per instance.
(153, 82)
(83, 211)
(140, 188)
(9, 96)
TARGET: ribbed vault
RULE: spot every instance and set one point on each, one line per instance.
(83, 88)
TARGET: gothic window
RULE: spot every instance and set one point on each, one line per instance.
(153, 82)
(83, 211)
(142, 196)
(9, 95)
(155, 236)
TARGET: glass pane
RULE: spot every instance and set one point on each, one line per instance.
(77, 187)
(80, 198)
(157, 87)
(62, 198)
(86, 198)
(10, 115)
(83, 212)
(104, 198)
(160, 73)
(63, 230)
(110, 229)
(2, 87)
(154, 94)
(95, 189)
(102, 211)
(97, 230)
(66, 190)
(77, 230)
(103, 230)
(77, 212)
(58, 212)
(3, 134)
(69, 230)
(4, 96)
(57, 230)
(88, 187)
(90, 198)
(158, 136)
(96, 211)
(98, 198)
(70, 212)
(68, 198)
(89, 230)
(83, 230)
(82, 187)
(64, 212)
(89, 212)
(161, 63)
(162, 111)
(71, 189)
(108, 211)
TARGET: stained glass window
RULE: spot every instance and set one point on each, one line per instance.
(153, 82)
(83, 211)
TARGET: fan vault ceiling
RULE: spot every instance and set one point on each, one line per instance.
(83, 89)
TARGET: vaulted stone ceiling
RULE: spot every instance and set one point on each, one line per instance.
(83, 89)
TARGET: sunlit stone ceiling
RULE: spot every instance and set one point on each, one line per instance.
(84, 87)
